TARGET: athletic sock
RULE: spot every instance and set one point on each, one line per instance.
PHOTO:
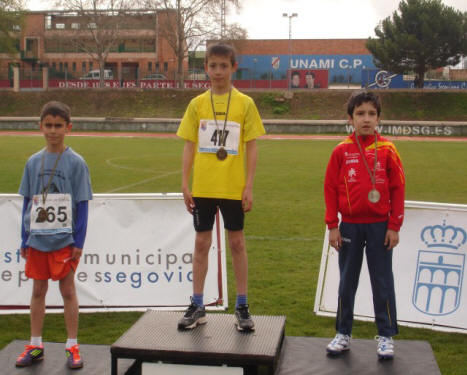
(241, 300)
(198, 299)
(71, 342)
(36, 341)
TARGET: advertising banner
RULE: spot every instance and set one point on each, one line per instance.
(137, 255)
(382, 79)
(429, 271)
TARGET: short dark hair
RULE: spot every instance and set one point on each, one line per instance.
(295, 73)
(310, 73)
(55, 108)
(363, 96)
(221, 49)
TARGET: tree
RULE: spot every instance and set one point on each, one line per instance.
(11, 21)
(188, 23)
(100, 22)
(425, 34)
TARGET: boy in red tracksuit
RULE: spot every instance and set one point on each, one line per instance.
(365, 183)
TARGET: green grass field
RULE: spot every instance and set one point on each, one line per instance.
(284, 231)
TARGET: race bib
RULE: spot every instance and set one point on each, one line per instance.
(57, 217)
(211, 137)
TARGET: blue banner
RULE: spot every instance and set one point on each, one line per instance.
(342, 68)
(382, 79)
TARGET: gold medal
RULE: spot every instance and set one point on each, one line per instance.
(42, 215)
(221, 153)
(374, 196)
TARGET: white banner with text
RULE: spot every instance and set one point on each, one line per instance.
(138, 254)
(428, 265)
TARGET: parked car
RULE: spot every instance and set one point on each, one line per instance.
(95, 74)
(155, 77)
(198, 75)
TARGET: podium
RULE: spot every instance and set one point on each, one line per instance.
(155, 338)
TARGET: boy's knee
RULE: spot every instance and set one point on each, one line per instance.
(237, 244)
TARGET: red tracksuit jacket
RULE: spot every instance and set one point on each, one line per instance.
(347, 183)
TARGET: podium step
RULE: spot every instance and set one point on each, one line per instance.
(155, 337)
(307, 355)
(96, 360)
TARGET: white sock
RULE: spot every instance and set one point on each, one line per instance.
(36, 341)
(71, 342)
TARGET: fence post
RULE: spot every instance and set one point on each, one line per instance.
(16, 78)
(45, 77)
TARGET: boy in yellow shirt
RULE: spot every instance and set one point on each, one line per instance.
(220, 128)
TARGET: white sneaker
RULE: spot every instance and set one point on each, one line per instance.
(385, 348)
(339, 344)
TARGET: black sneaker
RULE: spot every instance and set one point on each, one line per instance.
(243, 319)
(194, 316)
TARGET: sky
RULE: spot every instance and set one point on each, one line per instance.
(317, 19)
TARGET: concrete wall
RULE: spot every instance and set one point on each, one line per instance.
(406, 128)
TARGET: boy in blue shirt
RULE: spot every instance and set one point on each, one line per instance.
(56, 188)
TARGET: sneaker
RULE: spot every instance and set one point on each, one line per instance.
(31, 354)
(73, 358)
(339, 344)
(194, 316)
(243, 319)
(385, 348)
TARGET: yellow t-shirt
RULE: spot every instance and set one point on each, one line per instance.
(214, 178)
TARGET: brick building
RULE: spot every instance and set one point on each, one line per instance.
(49, 38)
(274, 59)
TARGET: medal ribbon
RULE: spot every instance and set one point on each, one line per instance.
(46, 190)
(372, 176)
(221, 135)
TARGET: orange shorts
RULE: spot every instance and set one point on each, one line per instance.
(53, 265)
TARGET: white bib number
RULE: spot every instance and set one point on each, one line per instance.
(59, 217)
(210, 138)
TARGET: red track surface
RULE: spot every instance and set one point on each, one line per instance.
(268, 136)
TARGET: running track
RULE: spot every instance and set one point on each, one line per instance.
(267, 136)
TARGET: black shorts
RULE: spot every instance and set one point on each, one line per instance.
(205, 212)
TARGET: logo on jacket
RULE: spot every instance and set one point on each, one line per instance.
(440, 270)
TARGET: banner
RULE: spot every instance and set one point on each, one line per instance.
(382, 79)
(137, 255)
(429, 271)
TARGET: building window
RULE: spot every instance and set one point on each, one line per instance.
(90, 65)
(60, 26)
(92, 25)
(157, 66)
(74, 66)
(150, 66)
(166, 66)
(16, 28)
(83, 66)
(54, 65)
(75, 26)
(66, 67)
(48, 22)
(60, 66)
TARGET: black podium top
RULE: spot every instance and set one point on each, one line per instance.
(155, 337)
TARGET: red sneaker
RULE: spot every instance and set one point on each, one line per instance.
(30, 355)
(73, 358)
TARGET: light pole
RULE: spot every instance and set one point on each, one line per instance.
(289, 16)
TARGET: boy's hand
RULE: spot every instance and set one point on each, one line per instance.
(335, 239)
(188, 198)
(24, 252)
(247, 199)
(76, 253)
(392, 239)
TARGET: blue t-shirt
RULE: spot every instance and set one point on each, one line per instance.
(71, 176)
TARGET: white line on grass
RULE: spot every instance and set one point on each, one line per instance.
(144, 181)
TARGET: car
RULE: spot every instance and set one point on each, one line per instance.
(155, 77)
(95, 74)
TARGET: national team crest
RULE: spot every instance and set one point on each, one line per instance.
(275, 62)
(440, 270)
